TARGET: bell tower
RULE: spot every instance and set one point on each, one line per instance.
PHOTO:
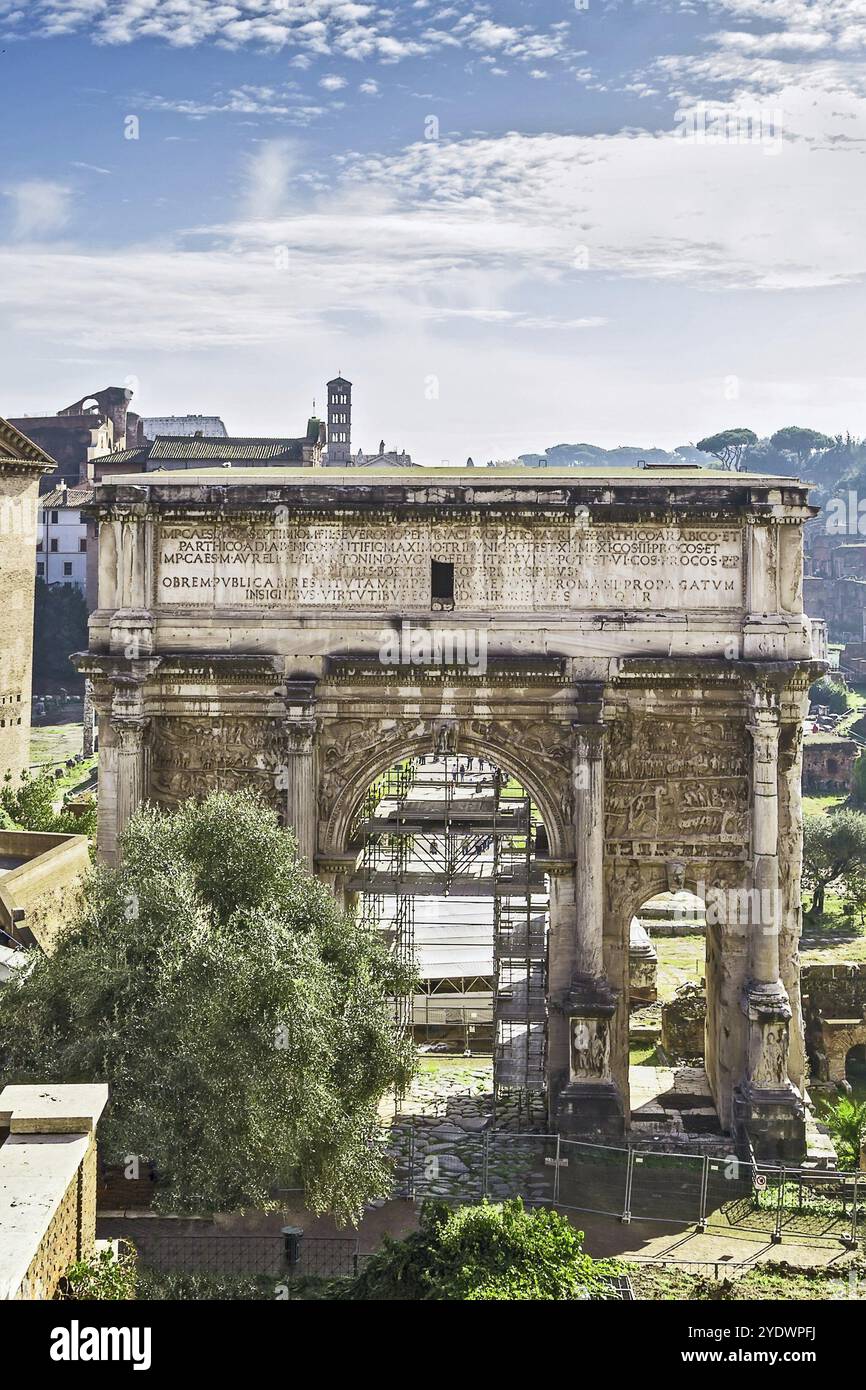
(339, 421)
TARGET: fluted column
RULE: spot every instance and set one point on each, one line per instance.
(764, 938)
(767, 1107)
(300, 750)
(588, 778)
(107, 597)
(590, 1103)
(130, 757)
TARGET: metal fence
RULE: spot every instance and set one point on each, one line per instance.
(634, 1184)
(276, 1256)
(701, 1191)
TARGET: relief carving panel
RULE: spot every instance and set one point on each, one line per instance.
(676, 789)
(190, 757)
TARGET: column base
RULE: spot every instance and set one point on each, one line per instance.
(590, 1105)
(773, 1120)
(591, 1110)
(767, 1108)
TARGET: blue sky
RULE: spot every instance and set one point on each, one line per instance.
(511, 224)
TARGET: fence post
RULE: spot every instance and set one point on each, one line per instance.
(411, 1189)
(292, 1237)
(850, 1242)
(705, 1177)
(776, 1237)
(556, 1170)
(485, 1163)
(629, 1172)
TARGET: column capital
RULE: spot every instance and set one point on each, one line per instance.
(300, 735)
(129, 732)
(589, 740)
(765, 707)
(764, 725)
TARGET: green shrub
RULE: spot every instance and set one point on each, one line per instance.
(846, 1121)
(105, 1275)
(181, 1287)
(834, 694)
(494, 1251)
(30, 806)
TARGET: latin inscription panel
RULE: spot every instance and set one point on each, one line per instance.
(502, 565)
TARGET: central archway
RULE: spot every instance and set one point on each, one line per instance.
(355, 751)
(449, 866)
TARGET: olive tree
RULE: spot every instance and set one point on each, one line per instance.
(834, 851)
(244, 1026)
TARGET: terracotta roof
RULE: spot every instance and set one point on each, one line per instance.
(138, 455)
(65, 497)
(189, 447)
(16, 448)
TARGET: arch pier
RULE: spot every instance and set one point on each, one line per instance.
(631, 649)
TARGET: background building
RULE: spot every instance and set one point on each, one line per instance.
(62, 541)
(205, 426)
(22, 465)
(90, 429)
(340, 422)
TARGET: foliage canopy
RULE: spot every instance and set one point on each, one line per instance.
(243, 1024)
(494, 1251)
(728, 446)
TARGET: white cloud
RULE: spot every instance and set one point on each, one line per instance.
(315, 27)
(269, 173)
(370, 88)
(331, 82)
(481, 230)
(283, 102)
(41, 208)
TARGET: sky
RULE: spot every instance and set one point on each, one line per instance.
(511, 224)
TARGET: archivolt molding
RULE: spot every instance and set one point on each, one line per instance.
(354, 751)
(630, 884)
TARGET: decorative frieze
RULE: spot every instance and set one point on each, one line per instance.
(677, 788)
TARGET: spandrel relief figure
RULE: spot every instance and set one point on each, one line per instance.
(772, 1069)
(590, 1049)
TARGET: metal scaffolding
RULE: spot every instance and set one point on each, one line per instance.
(455, 827)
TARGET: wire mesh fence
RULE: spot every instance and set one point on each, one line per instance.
(706, 1191)
(701, 1191)
(276, 1255)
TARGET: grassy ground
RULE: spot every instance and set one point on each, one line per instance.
(646, 1055)
(765, 1281)
(834, 919)
(857, 703)
(54, 743)
(822, 805)
(459, 1069)
(681, 959)
(834, 952)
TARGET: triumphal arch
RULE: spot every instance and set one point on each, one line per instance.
(632, 647)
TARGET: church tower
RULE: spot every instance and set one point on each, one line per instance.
(339, 421)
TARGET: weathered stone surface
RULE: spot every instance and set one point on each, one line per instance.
(632, 648)
(683, 1022)
(834, 1009)
(22, 464)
